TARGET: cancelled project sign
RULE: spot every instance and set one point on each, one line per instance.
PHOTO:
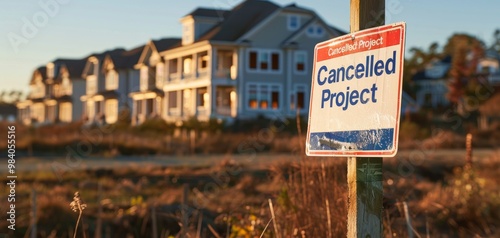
(356, 88)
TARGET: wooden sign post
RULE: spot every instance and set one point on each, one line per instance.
(364, 175)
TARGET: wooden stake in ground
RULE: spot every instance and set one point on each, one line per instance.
(468, 151)
(364, 175)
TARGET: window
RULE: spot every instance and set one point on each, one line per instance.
(253, 60)
(203, 61)
(91, 84)
(38, 112)
(300, 62)
(111, 80)
(293, 22)
(111, 111)
(93, 67)
(187, 33)
(65, 112)
(315, 30)
(186, 66)
(202, 97)
(144, 78)
(319, 31)
(298, 97)
(263, 96)
(264, 60)
(66, 87)
(252, 96)
(172, 99)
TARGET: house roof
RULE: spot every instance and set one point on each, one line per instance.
(208, 12)
(127, 59)
(101, 56)
(73, 66)
(240, 20)
(424, 73)
(166, 43)
(295, 8)
(492, 54)
(338, 30)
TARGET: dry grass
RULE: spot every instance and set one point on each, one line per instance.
(309, 198)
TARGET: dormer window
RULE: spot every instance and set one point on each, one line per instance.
(93, 67)
(111, 80)
(315, 30)
(66, 87)
(293, 22)
(144, 78)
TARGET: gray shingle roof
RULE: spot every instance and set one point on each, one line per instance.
(166, 43)
(127, 59)
(208, 12)
(74, 66)
(240, 20)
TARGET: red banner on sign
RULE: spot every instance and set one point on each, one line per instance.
(349, 45)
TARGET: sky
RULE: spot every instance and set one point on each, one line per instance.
(35, 32)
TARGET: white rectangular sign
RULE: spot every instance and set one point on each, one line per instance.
(356, 89)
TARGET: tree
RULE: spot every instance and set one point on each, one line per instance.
(465, 51)
(496, 41)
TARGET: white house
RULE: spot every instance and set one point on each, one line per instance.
(110, 77)
(432, 83)
(489, 67)
(250, 60)
(149, 97)
(55, 91)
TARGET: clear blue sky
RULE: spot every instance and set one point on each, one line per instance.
(78, 28)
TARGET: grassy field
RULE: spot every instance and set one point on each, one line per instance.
(231, 196)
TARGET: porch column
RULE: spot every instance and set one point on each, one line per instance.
(179, 68)
(134, 111)
(212, 63)
(233, 71)
(194, 65)
(144, 109)
(167, 73)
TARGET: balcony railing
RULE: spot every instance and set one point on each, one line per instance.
(176, 112)
(174, 76)
(224, 111)
(201, 111)
(223, 73)
(186, 76)
(202, 73)
(226, 72)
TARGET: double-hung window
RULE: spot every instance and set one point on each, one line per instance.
(260, 60)
(263, 96)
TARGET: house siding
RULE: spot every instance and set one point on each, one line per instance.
(78, 91)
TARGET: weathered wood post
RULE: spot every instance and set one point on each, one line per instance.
(468, 151)
(34, 231)
(364, 175)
